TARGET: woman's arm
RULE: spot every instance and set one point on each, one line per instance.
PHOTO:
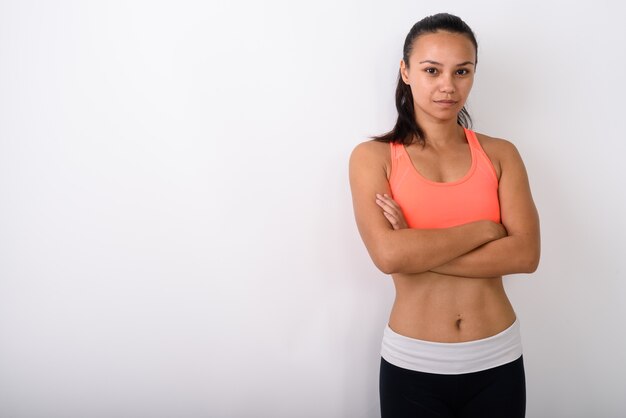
(519, 251)
(404, 250)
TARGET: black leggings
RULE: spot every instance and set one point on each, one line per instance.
(499, 393)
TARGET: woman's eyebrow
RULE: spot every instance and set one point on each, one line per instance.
(438, 63)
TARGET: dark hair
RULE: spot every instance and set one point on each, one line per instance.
(407, 128)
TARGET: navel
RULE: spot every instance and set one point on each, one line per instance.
(458, 321)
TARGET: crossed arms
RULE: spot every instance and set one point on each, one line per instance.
(477, 249)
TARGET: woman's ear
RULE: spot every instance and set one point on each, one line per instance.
(404, 72)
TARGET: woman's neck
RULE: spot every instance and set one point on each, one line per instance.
(439, 135)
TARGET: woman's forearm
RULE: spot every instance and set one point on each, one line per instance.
(508, 255)
(420, 250)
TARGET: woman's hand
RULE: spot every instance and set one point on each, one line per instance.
(392, 211)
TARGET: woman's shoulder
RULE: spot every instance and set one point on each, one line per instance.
(499, 150)
(496, 145)
(371, 150)
(372, 146)
(371, 154)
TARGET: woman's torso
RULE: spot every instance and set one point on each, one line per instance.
(437, 307)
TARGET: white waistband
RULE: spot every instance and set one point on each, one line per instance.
(452, 358)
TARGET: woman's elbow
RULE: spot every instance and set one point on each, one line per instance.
(384, 262)
(388, 260)
(530, 261)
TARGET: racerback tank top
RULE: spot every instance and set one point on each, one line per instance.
(428, 204)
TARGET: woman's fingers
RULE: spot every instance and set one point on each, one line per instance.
(391, 210)
(392, 220)
(390, 201)
(387, 204)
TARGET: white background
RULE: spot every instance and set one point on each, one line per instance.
(176, 229)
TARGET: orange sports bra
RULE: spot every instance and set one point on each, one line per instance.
(429, 204)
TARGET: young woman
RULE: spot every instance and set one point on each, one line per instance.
(447, 212)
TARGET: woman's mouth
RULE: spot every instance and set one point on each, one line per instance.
(446, 103)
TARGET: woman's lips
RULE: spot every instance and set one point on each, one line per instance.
(446, 103)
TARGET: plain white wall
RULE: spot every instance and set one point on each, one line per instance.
(176, 230)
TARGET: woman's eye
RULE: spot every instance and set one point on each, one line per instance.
(462, 72)
(431, 70)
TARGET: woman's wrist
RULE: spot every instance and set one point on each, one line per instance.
(492, 230)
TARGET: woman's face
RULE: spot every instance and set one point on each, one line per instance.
(440, 73)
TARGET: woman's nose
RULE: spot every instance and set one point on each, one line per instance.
(447, 84)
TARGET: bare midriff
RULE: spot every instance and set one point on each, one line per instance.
(441, 308)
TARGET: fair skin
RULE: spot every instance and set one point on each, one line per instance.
(448, 280)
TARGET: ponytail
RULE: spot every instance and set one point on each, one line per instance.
(406, 129)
